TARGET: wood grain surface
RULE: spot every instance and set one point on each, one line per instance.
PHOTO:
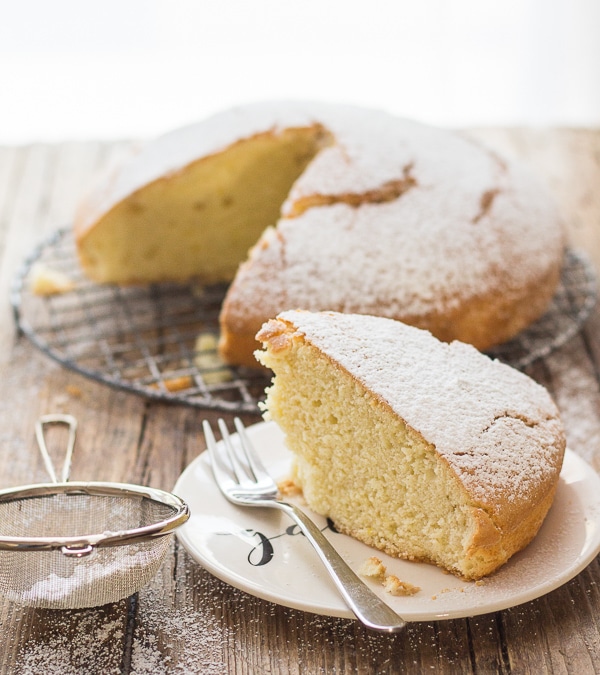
(187, 621)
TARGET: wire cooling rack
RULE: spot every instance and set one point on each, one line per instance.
(160, 340)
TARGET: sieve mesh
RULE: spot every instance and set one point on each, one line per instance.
(51, 579)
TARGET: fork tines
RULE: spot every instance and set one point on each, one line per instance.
(239, 460)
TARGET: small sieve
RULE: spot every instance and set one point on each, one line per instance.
(67, 545)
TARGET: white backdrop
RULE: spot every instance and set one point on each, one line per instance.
(75, 69)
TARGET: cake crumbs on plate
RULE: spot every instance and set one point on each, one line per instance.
(289, 488)
(395, 586)
(373, 568)
(452, 590)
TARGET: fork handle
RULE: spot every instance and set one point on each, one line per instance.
(368, 607)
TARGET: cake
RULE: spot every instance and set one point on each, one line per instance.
(342, 208)
(426, 450)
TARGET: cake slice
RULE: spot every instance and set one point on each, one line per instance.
(425, 450)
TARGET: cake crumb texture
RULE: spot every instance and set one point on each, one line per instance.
(395, 586)
(373, 568)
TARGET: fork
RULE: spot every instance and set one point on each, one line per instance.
(244, 481)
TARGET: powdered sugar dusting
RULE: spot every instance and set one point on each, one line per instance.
(173, 151)
(170, 636)
(179, 632)
(471, 225)
(67, 652)
(497, 428)
(199, 642)
(372, 148)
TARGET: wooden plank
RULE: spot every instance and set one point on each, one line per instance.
(23, 228)
(41, 640)
(574, 172)
(75, 165)
(554, 634)
(11, 160)
(486, 640)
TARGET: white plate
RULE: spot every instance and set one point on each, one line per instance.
(261, 552)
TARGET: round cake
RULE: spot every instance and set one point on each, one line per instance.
(426, 450)
(344, 209)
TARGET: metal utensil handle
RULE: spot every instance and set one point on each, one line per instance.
(40, 425)
(368, 607)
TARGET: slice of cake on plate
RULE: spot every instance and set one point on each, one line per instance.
(425, 450)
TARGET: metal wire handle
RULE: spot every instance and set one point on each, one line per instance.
(79, 545)
(40, 425)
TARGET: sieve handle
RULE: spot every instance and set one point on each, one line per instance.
(40, 425)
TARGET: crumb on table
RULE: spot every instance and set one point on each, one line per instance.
(175, 383)
(46, 281)
(74, 391)
(208, 361)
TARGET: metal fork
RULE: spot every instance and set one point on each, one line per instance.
(245, 481)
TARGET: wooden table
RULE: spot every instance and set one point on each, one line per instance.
(186, 621)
